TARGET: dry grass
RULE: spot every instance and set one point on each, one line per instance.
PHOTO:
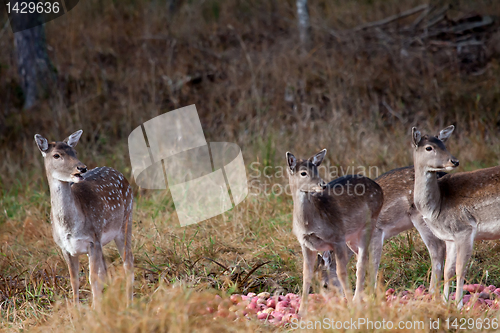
(122, 63)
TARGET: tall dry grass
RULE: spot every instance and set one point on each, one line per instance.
(122, 63)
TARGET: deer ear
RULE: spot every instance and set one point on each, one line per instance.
(444, 134)
(42, 144)
(416, 136)
(291, 161)
(72, 140)
(318, 158)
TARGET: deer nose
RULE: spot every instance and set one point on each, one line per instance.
(455, 162)
(322, 184)
(82, 169)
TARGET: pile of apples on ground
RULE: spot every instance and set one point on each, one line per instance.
(281, 309)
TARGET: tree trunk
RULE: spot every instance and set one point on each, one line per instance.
(304, 24)
(34, 67)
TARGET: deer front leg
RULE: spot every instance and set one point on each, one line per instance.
(340, 250)
(97, 269)
(449, 267)
(464, 252)
(437, 251)
(436, 248)
(73, 266)
(307, 274)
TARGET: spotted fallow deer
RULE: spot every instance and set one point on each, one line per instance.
(398, 214)
(458, 208)
(326, 217)
(88, 210)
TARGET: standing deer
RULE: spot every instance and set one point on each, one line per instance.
(458, 208)
(398, 214)
(329, 216)
(88, 210)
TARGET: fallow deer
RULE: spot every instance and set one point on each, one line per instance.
(88, 210)
(326, 217)
(458, 208)
(398, 214)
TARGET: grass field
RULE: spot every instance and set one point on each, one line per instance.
(120, 63)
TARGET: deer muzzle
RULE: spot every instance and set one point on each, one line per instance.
(452, 163)
(77, 176)
(320, 187)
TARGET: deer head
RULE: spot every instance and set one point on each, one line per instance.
(430, 152)
(303, 174)
(60, 158)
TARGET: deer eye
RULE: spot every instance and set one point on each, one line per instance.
(428, 148)
(56, 156)
(303, 173)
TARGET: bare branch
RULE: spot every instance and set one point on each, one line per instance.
(390, 18)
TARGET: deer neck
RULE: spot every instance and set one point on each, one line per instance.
(65, 210)
(427, 195)
(302, 206)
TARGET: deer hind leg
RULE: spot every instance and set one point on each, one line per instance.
(322, 269)
(333, 282)
(73, 266)
(449, 267)
(363, 245)
(376, 245)
(124, 244)
(97, 268)
(307, 274)
(329, 276)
